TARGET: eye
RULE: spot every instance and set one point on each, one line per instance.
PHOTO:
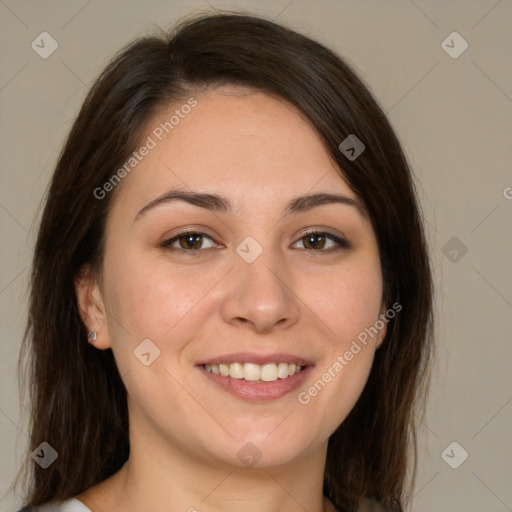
(193, 241)
(189, 241)
(322, 242)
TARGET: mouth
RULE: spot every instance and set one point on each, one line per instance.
(251, 372)
(257, 378)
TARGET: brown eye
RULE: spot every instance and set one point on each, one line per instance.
(323, 242)
(314, 241)
(189, 241)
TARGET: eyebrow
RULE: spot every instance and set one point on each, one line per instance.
(221, 204)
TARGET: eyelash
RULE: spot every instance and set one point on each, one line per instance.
(342, 244)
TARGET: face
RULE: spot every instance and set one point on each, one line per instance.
(234, 314)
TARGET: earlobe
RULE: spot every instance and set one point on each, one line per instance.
(91, 308)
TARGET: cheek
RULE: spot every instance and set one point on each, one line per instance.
(349, 300)
(149, 299)
(349, 303)
(152, 298)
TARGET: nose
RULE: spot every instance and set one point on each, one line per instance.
(259, 295)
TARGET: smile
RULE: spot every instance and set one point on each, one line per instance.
(256, 377)
(251, 372)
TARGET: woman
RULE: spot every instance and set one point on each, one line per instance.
(231, 303)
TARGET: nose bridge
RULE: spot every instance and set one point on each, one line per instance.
(259, 295)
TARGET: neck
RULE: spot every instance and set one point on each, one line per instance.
(158, 477)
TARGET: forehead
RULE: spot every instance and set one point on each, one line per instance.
(247, 144)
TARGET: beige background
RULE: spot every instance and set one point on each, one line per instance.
(454, 117)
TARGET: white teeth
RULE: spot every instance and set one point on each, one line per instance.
(282, 370)
(269, 372)
(236, 371)
(251, 372)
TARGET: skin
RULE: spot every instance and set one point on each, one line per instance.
(185, 432)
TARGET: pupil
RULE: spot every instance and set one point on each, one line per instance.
(192, 241)
(312, 238)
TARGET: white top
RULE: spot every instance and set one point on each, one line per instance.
(72, 505)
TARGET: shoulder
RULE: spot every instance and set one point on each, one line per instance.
(71, 505)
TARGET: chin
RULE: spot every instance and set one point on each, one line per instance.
(264, 448)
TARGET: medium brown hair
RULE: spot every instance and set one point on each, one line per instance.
(77, 398)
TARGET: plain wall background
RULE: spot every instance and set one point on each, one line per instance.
(454, 117)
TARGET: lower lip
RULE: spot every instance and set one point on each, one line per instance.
(258, 391)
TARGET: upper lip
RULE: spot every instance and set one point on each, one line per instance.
(260, 359)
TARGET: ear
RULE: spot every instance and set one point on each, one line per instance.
(91, 306)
